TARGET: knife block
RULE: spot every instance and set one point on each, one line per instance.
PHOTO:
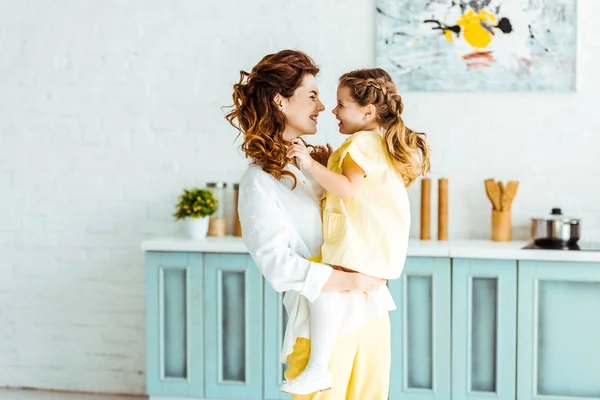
(501, 226)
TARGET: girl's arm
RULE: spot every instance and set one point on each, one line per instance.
(342, 185)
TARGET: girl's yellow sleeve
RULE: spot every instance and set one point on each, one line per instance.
(367, 149)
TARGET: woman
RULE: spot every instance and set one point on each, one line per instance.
(279, 208)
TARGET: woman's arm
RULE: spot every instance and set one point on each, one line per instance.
(343, 185)
(266, 234)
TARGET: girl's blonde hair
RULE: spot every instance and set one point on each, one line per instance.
(407, 149)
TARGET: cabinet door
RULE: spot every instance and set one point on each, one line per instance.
(484, 329)
(275, 322)
(174, 364)
(420, 330)
(559, 330)
(233, 327)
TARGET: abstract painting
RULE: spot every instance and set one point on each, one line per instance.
(478, 45)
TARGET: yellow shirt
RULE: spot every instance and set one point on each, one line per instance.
(367, 233)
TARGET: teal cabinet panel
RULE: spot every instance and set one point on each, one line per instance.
(420, 331)
(464, 329)
(275, 321)
(484, 329)
(233, 327)
(174, 324)
(559, 328)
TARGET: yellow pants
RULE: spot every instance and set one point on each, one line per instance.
(360, 364)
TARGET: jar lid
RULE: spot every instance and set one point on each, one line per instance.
(216, 185)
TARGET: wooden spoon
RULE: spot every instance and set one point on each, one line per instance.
(511, 192)
(493, 193)
(502, 196)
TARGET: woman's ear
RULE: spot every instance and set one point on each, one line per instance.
(279, 100)
(370, 112)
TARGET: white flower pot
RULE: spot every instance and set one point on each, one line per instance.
(196, 227)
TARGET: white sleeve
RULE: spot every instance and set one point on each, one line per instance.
(266, 234)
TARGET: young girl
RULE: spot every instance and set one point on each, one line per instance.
(366, 212)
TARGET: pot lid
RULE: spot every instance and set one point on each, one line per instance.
(557, 215)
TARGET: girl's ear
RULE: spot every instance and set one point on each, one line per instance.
(370, 112)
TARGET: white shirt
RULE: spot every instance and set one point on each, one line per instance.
(281, 228)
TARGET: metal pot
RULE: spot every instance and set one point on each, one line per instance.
(555, 230)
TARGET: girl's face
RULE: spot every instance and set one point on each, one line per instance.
(302, 109)
(352, 116)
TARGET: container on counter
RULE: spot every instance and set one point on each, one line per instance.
(218, 222)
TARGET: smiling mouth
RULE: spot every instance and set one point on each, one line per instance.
(314, 117)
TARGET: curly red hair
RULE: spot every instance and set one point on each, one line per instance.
(254, 112)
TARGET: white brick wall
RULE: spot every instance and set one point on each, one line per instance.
(108, 108)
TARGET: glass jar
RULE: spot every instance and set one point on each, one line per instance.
(218, 190)
(217, 225)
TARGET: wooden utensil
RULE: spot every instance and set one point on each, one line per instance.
(511, 192)
(493, 193)
(502, 196)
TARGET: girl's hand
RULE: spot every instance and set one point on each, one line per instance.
(321, 154)
(299, 150)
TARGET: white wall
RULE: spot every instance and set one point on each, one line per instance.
(108, 108)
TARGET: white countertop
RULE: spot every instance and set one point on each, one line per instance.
(416, 248)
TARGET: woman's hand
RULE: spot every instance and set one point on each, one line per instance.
(299, 150)
(340, 281)
(366, 283)
(321, 154)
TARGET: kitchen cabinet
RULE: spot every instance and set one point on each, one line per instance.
(232, 327)
(420, 330)
(559, 330)
(484, 328)
(174, 324)
(474, 320)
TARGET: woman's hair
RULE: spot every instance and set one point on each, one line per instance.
(408, 149)
(254, 112)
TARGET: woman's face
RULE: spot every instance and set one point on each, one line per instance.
(302, 109)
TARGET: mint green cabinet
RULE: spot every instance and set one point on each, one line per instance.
(233, 327)
(420, 331)
(484, 329)
(174, 324)
(465, 329)
(559, 331)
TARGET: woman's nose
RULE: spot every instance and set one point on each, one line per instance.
(320, 106)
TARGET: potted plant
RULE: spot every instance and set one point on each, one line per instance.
(195, 206)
